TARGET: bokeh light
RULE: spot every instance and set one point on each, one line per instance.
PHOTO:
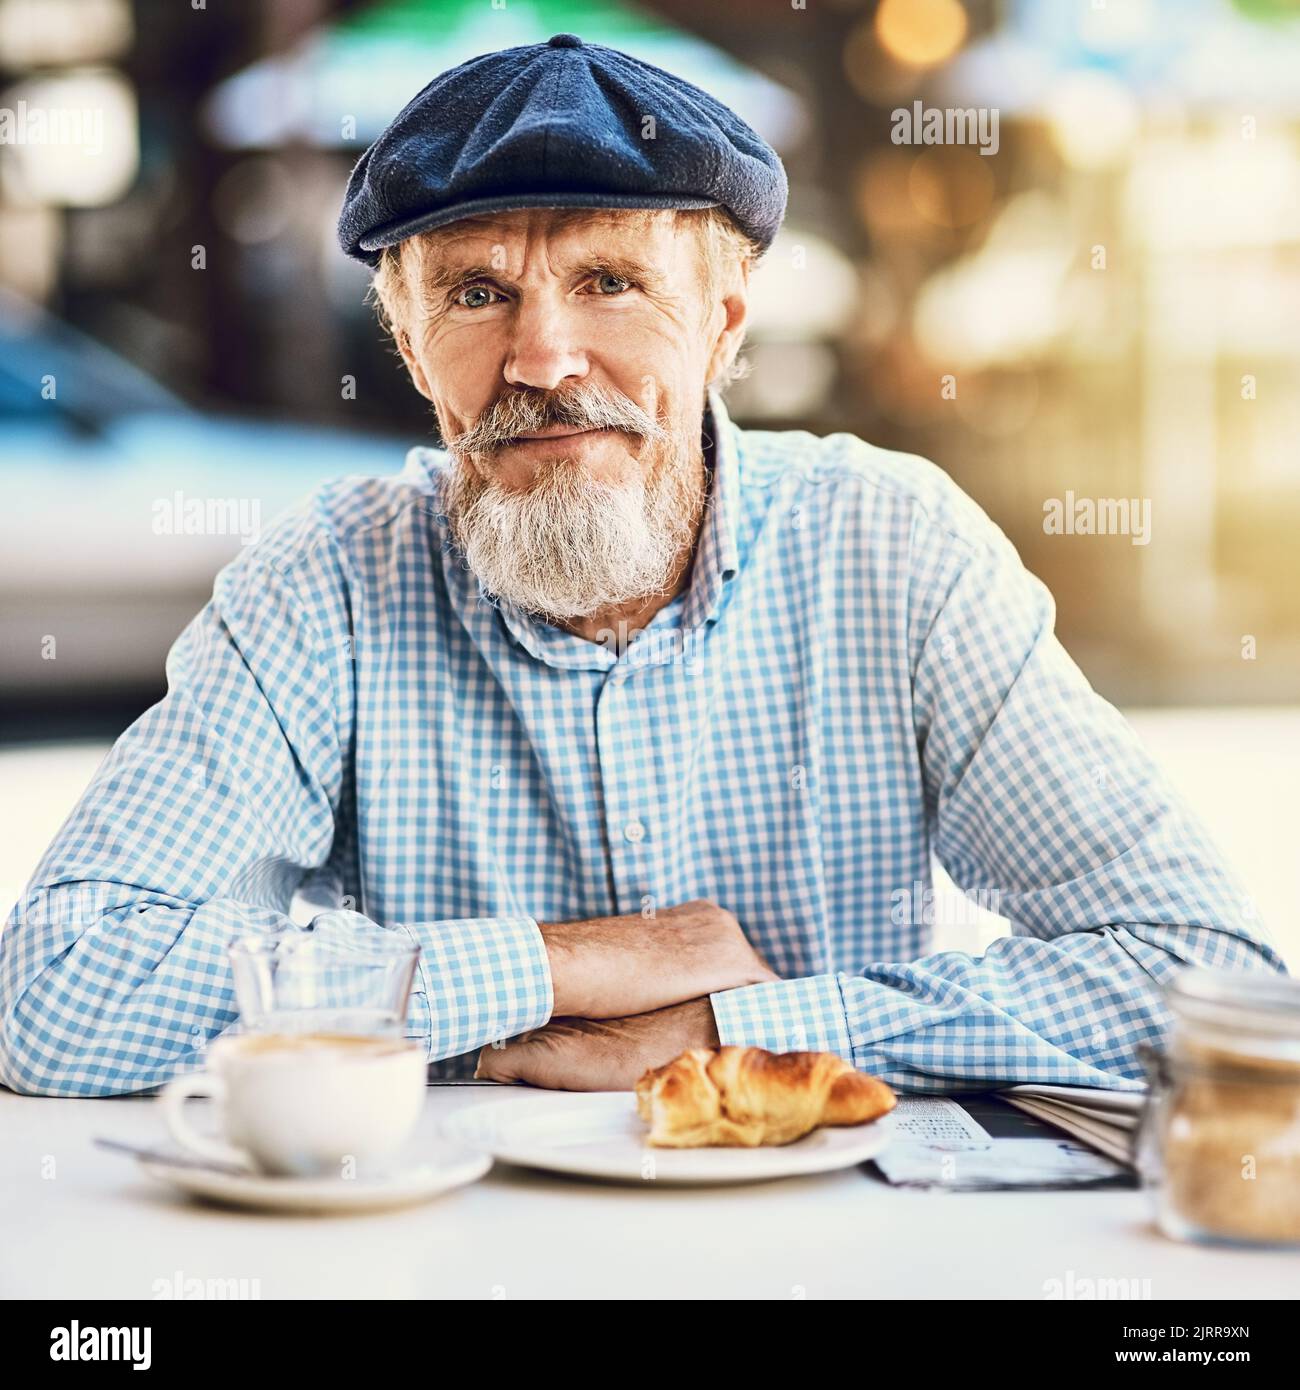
(951, 187)
(69, 139)
(1093, 119)
(921, 33)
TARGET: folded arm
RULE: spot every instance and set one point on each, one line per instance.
(1040, 795)
(198, 827)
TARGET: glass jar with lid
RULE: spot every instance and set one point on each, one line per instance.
(1220, 1139)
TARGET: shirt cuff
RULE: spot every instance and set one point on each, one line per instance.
(479, 980)
(805, 1015)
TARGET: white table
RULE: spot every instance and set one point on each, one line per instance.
(78, 1222)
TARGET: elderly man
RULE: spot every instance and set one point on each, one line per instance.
(644, 727)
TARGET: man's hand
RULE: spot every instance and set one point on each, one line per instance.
(578, 1054)
(615, 967)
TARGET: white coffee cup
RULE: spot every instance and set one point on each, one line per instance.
(304, 1105)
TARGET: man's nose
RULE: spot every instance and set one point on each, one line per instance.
(544, 351)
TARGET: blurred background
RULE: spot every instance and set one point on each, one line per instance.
(1093, 297)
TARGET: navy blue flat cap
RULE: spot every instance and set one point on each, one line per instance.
(558, 124)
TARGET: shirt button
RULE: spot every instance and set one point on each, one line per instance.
(634, 832)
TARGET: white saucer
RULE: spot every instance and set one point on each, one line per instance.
(600, 1135)
(446, 1168)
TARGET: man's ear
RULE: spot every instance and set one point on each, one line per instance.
(418, 378)
(735, 315)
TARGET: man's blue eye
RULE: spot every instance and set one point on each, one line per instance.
(611, 284)
(469, 297)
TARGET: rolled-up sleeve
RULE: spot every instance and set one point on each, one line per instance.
(480, 980)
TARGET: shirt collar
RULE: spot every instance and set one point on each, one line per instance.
(715, 565)
(717, 557)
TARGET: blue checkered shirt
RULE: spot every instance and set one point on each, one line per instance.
(858, 675)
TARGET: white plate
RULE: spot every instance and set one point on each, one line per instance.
(448, 1167)
(600, 1135)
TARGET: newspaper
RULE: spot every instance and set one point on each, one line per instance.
(1107, 1120)
(939, 1143)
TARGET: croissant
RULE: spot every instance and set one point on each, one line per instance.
(745, 1096)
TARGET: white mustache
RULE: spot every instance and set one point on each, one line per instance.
(580, 408)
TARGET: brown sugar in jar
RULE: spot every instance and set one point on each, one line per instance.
(1220, 1142)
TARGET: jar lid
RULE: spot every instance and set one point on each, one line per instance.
(1255, 1001)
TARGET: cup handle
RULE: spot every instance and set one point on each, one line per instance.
(174, 1096)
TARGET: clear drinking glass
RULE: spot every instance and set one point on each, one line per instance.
(337, 975)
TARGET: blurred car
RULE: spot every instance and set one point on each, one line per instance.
(122, 501)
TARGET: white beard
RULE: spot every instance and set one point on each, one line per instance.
(572, 545)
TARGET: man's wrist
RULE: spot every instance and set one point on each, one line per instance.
(568, 952)
(553, 940)
(694, 1024)
(704, 1022)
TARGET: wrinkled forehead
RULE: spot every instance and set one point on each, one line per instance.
(653, 233)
